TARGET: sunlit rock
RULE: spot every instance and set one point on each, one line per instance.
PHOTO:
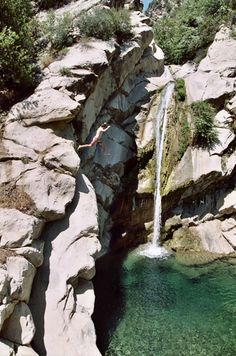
(33, 253)
(71, 245)
(214, 76)
(21, 274)
(196, 164)
(228, 205)
(43, 107)
(18, 229)
(211, 237)
(19, 327)
(51, 191)
(6, 348)
(228, 227)
(25, 351)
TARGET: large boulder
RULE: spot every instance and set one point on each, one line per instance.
(211, 85)
(21, 274)
(43, 107)
(211, 237)
(25, 351)
(221, 54)
(196, 165)
(18, 229)
(51, 191)
(93, 55)
(6, 348)
(228, 227)
(19, 327)
(39, 140)
(214, 78)
(33, 253)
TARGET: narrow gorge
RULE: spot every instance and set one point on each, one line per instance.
(63, 209)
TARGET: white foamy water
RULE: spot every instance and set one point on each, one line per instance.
(152, 249)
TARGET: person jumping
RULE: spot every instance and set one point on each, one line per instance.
(96, 139)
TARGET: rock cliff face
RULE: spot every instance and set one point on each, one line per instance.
(57, 209)
(199, 197)
(159, 8)
(51, 215)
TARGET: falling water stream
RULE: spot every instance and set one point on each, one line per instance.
(153, 249)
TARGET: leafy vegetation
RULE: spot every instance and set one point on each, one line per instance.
(66, 72)
(22, 41)
(191, 26)
(182, 125)
(205, 134)
(58, 31)
(17, 53)
(180, 92)
(105, 24)
(61, 32)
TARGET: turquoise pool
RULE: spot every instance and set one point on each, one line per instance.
(151, 307)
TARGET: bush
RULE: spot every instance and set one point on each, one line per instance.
(15, 61)
(205, 134)
(66, 72)
(58, 31)
(180, 92)
(105, 24)
(17, 54)
(193, 26)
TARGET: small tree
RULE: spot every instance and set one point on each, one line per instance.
(180, 92)
(205, 134)
(17, 54)
(190, 27)
(105, 24)
(57, 30)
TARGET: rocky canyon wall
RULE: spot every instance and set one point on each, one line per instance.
(199, 195)
(55, 205)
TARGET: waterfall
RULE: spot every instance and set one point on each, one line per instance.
(161, 122)
(153, 249)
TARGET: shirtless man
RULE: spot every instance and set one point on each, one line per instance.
(96, 139)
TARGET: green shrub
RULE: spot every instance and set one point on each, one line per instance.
(205, 134)
(191, 27)
(15, 60)
(105, 24)
(66, 72)
(17, 53)
(180, 92)
(57, 30)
